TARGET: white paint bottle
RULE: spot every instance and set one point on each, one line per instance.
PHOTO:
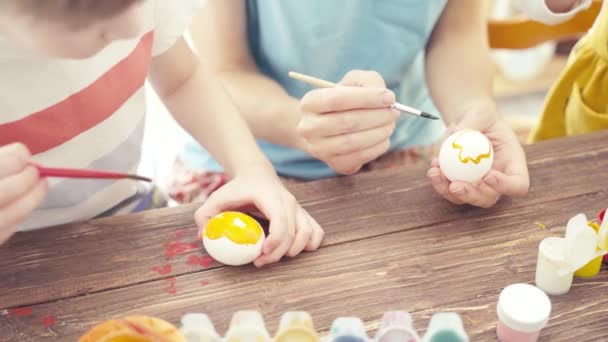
(559, 258)
(247, 326)
(550, 274)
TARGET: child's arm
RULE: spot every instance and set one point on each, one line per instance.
(199, 103)
(460, 75)
(21, 188)
(220, 31)
(552, 12)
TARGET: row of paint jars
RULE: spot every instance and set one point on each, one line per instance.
(523, 311)
(297, 326)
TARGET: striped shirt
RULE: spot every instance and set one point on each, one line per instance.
(86, 113)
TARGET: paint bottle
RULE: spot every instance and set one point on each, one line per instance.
(446, 327)
(523, 311)
(397, 326)
(603, 234)
(550, 276)
(247, 326)
(296, 326)
(197, 327)
(592, 268)
(348, 329)
(559, 258)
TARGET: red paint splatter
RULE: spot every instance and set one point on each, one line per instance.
(171, 289)
(195, 260)
(173, 249)
(162, 270)
(180, 233)
(204, 282)
(49, 321)
(20, 312)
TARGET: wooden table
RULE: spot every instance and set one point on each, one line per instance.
(391, 243)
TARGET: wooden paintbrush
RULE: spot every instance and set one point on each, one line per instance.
(84, 173)
(319, 83)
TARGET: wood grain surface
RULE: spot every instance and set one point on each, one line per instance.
(391, 243)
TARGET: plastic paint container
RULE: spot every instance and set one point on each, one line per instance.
(446, 327)
(296, 326)
(348, 329)
(594, 266)
(590, 270)
(548, 276)
(247, 326)
(198, 328)
(397, 326)
(523, 311)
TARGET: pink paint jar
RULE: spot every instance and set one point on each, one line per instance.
(523, 311)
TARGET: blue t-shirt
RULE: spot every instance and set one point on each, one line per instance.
(328, 38)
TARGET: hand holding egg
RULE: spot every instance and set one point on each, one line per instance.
(291, 229)
(482, 161)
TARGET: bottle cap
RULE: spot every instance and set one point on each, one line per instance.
(524, 308)
(296, 326)
(396, 326)
(197, 327)
(247, 325)
(349, 329)
(446, 326)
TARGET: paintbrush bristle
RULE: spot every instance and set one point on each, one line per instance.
(429, 116)
(140, 178)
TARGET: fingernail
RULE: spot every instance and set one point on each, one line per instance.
(388, 98)
(459, 190)
(434, 177)
(433, 173)
(491, 180)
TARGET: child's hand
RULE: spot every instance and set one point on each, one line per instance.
(292, 229)
(21, 189)
(509, 174)
(347, 127)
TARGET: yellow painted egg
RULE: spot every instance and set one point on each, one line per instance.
(466, 156)
(233, 238)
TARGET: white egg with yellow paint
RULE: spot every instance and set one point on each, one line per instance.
(233, 238)
(466, 156)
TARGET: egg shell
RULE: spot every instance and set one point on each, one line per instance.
(233, 254)
(466, 156)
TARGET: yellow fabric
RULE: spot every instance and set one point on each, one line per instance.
(578, 102)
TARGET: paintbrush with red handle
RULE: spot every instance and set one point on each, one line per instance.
(84, 173)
